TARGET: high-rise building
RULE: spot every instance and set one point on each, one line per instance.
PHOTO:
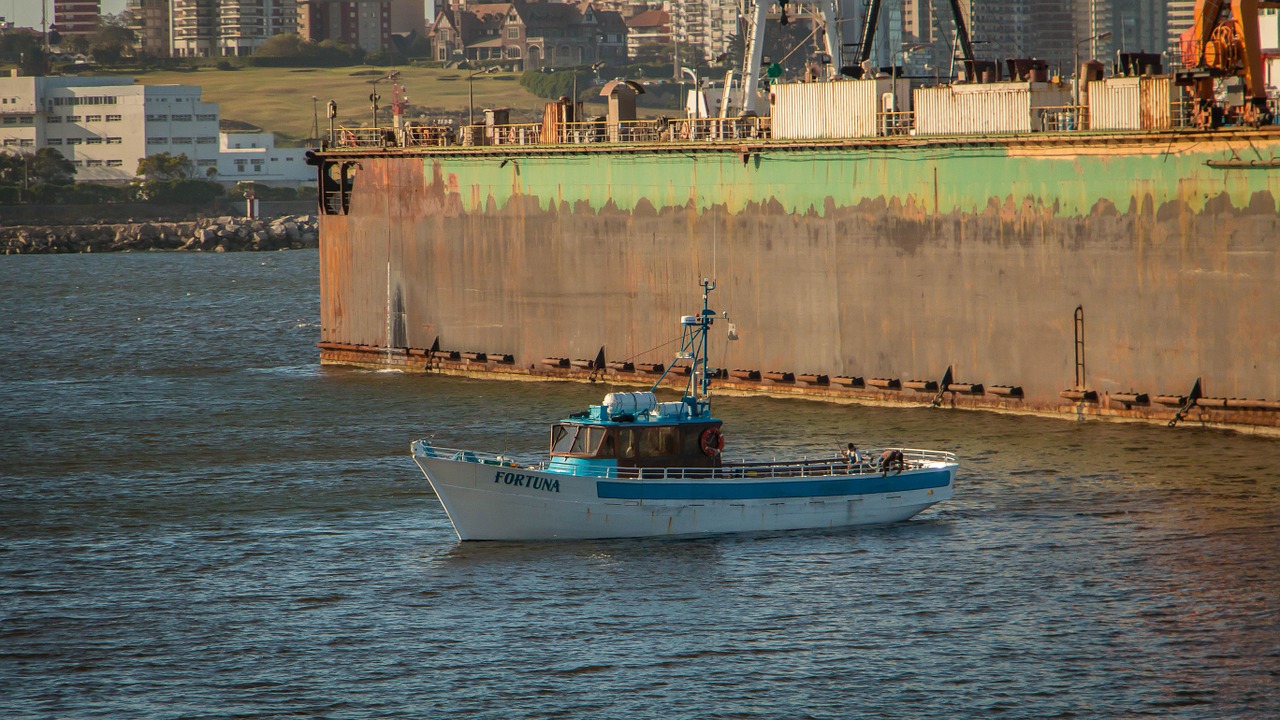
(1178, 18)
(149, 21)
(1051, 34)
(243, 25)
(76, 17)
(707, 27)
(362, 23)
(193, 27)
(1139, 26)
(228, 28)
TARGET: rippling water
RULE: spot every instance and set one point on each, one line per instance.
(198, 521)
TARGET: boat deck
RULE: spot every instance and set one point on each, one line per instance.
(915, 459)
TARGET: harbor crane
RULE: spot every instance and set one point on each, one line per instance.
(871, 20)
(832, 45)
(1221, 44)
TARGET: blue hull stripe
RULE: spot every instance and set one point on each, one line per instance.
(714, 490)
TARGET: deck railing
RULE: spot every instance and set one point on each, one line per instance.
(660, 130)
(665, 131)
(915, 459)
(896, 123)
(1064, 118)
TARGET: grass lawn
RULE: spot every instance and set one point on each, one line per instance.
(279, 99)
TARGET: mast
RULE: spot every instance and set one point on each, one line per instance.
(699, 336)
(693, 347)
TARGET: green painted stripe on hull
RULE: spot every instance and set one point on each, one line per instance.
(1072, 180)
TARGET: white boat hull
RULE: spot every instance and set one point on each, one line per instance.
(493, 502)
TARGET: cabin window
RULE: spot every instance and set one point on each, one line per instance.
(691, 439)
(659, 441)
(588, 440)
(585, 440)
(562, 437)
(626, 443)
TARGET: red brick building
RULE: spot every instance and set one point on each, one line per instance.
(534, 34)
(76, 17)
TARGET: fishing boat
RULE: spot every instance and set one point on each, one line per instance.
(633, 466)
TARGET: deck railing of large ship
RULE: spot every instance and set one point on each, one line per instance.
(664, 131)
(914, 459)
(661, 130)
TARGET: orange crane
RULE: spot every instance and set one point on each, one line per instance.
(1225, 45)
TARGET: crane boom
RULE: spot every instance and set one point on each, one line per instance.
(755, 44)
(869, 22)
(962, 33)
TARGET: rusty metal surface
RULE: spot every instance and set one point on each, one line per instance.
(1178, 281)
(1131, 103)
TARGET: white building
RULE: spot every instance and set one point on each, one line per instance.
(255, 157)
(105, 125)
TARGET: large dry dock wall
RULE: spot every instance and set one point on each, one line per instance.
(868, 260)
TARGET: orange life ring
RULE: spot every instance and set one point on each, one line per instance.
(712, 441)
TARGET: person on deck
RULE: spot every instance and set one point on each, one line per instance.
(851, 456)
(892, 459)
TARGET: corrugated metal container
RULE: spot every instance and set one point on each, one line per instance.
(836, 109)
(1131, 103)
(986, 108)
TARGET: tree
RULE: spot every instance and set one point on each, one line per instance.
(48, 166)
(284, 45)
(76, 44)
(110, 42)
(13, 168)
(166, 166)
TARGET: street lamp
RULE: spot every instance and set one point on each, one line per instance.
(594, 66)
(1075, 72)
(471, 92)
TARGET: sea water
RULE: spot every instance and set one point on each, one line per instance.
(199, 521)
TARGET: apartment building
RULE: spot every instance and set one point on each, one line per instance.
(227, 28)
(1179, 16)
(76, 17)
(149, 21)
(707, 27)
(243, 25)
(367, 24)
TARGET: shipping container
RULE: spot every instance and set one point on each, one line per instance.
(839, 109)
(988, 108)
(1131, 103)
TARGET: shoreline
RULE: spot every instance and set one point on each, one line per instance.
(216, 234)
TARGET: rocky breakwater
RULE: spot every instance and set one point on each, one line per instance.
(222, 234)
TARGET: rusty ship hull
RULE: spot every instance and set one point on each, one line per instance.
(856, 269)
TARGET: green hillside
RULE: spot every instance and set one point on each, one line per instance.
(279, 99)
